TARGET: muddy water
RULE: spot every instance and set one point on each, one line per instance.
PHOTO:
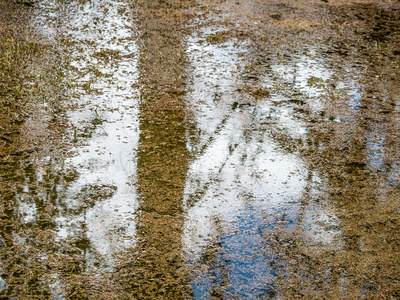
(236, 150)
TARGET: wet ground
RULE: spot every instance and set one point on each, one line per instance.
(199, 150)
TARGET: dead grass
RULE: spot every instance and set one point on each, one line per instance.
(294, 23)
(218, 37)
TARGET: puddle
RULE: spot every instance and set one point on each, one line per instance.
(242, 185)
(203, 158)
(105, 126)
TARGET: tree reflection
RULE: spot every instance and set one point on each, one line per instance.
(338, 237)
(353, 186)
(157, 263)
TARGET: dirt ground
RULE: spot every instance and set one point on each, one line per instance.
(173, 149)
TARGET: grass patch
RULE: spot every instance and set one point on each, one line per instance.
(260, 93)
(106, 54)
(218, 37)
(315, 81)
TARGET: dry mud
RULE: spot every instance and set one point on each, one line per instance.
(199, 149)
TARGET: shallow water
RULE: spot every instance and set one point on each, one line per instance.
(199, 161)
